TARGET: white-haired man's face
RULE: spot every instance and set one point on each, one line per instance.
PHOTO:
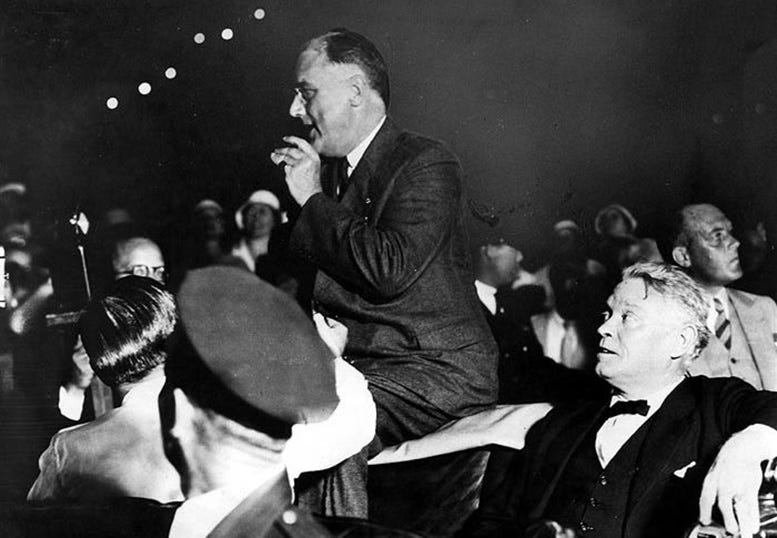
(646, 339)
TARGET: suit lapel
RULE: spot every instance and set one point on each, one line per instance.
(759, 341)
(664, 438)
(366, 177)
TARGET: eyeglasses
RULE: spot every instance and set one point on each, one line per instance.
(305, 93)
(157, 273)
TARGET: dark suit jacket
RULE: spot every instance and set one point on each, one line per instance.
(694, 421)
(394, 267)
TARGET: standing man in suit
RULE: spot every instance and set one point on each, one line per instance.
(382, 220)
(655, 456)
(744, 325)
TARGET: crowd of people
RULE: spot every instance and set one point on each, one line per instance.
(244, 387)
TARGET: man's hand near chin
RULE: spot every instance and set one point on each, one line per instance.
(302, 166)
(735, 477)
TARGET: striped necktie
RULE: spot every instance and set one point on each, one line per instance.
(722, 325)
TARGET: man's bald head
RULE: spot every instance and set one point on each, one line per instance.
(138, 256)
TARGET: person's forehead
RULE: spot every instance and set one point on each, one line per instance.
(312, 65)
(314, 68)
(144, 254)
(633, 293)
(706, 219)
(252, 208)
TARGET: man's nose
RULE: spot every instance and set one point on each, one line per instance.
(297, 108)
(733, 243)
(604, 328)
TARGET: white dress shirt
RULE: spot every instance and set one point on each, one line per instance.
(618, 429)
(357, 153)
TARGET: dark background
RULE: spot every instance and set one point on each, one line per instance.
(555, 108)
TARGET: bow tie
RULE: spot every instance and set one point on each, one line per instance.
(629, 407)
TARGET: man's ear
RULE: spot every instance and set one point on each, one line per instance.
(681, 256)
(359, 89)
(685, 342)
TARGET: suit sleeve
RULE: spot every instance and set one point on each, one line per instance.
(739, 405)
(384, 259)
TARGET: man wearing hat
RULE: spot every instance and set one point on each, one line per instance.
(249, 366)
(247, 370)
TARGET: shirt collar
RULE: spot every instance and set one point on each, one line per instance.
(484, 289)
(654, 400)
(487, 295)
(358, 152)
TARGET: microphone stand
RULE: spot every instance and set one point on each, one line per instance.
(102, 397)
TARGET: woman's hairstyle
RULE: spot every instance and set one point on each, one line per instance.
(125, 331)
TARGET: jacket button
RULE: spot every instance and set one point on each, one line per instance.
(734, 360)
(289, 517)
(603, 480)
(367, 201)
(593, 502)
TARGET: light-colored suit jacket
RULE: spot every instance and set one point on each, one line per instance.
(753, 354)
(118, 455)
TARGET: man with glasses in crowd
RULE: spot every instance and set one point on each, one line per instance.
(138, 256)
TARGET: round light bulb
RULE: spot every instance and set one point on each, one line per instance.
(259, 14)
(144, 88)
(112, 103)
(227, 34)
(199, 38)
(170, 73)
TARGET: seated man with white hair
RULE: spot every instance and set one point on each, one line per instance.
(654, 457)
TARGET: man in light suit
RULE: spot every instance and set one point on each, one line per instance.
(745, 325)
(119, 454)
(382, 221)
(652, 459)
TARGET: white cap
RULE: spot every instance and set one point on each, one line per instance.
(207, 203)
(16, 188)
(257, 197)
(567, 224)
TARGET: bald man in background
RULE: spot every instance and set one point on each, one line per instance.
(744, 325)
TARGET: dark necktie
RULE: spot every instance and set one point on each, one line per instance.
(629, 407)
(340, 176)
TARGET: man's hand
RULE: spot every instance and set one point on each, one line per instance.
(302, 167)
(735, 478)
(332, 332)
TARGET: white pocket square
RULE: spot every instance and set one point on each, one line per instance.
(680, 473)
